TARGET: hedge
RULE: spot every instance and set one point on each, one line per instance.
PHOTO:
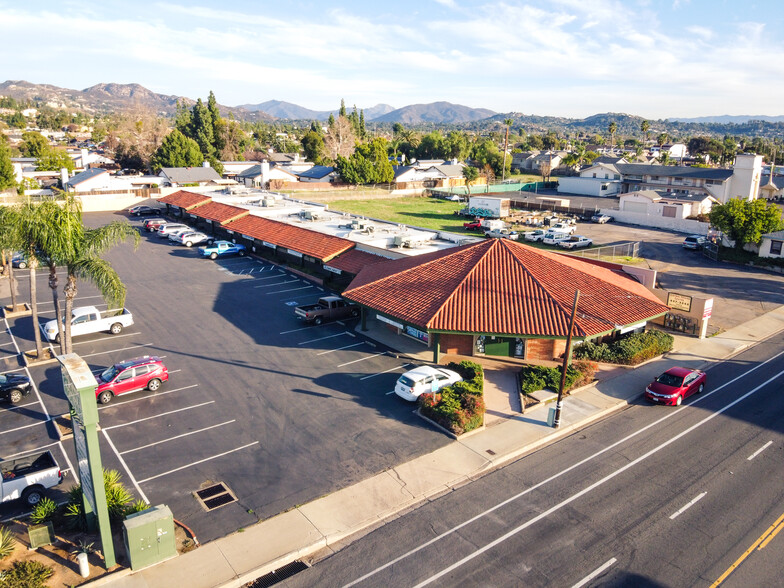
(629, 350)
(539, 377)
(460, 407)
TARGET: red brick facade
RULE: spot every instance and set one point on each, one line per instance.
(456, 344)
(544, 349)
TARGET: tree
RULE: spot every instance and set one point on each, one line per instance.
(745, 221)
(8, 245)
(470, 173)
(662, 138)
(612, 128)
(342, 111)
(217, 123)
(177, 150)
(644, 127)
(508, 122)
(201, 129)
(7, 175)
(313, 147)
(34, 144)
(340, 139)
(369, 164)
(55, 160)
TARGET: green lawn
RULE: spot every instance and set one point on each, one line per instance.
(428, 213)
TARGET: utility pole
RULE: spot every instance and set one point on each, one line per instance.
(567, 355)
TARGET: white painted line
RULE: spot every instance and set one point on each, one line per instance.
(297, 330)
(117, 350)
(760, 450)
(156, 395)
(25, 427)
(174, 371)
(594, 573)
(198, 462)
(176, 437)
(321, 339)
(276, 276)
(157, 416)
(142, 495)
(21, 453)
(276, 284)
(362, 359)
(388, 393)
(340, 349)
(574, 466)
(385, 371)
(75, 343)
(78, 298)
(290, 290)
(21, 369)
(17, 407)
(687, 506)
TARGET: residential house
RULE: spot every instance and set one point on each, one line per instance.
(259, 175)
(524, 161)
(773, 189)
(771, 245)
(190, 176)
(318, 173)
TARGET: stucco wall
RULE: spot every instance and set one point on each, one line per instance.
(691, 227)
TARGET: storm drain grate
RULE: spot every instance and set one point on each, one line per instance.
(215, 496)
(278, 575)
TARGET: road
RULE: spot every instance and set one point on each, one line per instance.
(653, 496)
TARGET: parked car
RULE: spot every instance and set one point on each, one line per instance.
(177, 235)
(88, 319)
(601, 218)
(536, 235)
(328, 308)
(140, 373)
(191, 238)
(222, 249)
(575, 242)
(152, 224)
(168, 228)
(674, 385)
(555, 237)
(474, 225)
(423, 380)
(694, 242)
(26, 478)
(143, 210)
(564, 227)
(19, 260)
(13, 387)
(503, 234)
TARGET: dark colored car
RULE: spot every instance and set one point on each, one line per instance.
(144, 210)
(694, 242)
(674, 385)
(152, 224)
(13, 387)
(132, 375)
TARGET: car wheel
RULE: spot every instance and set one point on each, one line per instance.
(241, 252)
(116, 329)
(213, 256)
(32, 496)
(701, 388)
(57, 338)
(679, 401)
(22, 265)
(105, 397)
(355, 312)
(154, 384)
(318, 320)
(15, 396)
(189, 243)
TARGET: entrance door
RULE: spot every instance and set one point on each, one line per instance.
(500, 346)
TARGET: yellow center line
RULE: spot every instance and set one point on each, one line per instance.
(771, 536)
(758, 543)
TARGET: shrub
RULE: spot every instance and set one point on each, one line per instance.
(26, 574)
(43, 511)
(629, 350)
(7, 542)
(117, 501)
(460, 407)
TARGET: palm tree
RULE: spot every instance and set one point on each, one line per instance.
(28, 229)
(612, 127)
(8, 225)
(470, 173)
(84, 262)
(644, 126)
(508, 122)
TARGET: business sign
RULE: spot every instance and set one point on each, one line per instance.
(294, 253)
(707, 312)
(334, 270)
(417, 334)
(388, 321)
(270, 245)
(679, 302)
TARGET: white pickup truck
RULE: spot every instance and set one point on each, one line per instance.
(88, 319)
(28, 477)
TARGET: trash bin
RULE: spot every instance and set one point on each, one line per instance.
(551, 416)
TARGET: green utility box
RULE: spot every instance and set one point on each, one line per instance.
(149, 536)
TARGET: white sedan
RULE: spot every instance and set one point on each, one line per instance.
(424, 380)
(191, 238)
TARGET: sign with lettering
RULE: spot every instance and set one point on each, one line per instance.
(679, 302)
(707, 312)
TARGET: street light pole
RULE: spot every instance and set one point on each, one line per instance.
(567, 355)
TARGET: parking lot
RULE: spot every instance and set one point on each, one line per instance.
(278, 411)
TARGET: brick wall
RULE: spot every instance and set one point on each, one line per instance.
(543, 349)
(456, 344)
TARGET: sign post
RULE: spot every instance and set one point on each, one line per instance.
(79, 384)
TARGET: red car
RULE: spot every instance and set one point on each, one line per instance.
(473, 225)
(136, 374)
(674, 385)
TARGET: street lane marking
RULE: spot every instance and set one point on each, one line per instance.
(142, 495)
(156, 395)
(361, 359)
(385, 371)
(760, 450)
(321, 339)
(687, 506)
(594, 573)
(177, 437)
(565, 471)
(775, 532)
(340, 348)
(117, 350)
(158, 415)
(757, 544)
(198, 462)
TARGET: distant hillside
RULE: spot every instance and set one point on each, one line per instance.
(436, 112)
(730, 119)
(287, 110)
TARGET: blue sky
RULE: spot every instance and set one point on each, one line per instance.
(572, 58)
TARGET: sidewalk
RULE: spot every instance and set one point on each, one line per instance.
(242, 557)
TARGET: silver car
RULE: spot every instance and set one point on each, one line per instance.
(169, 228)
(191, 238)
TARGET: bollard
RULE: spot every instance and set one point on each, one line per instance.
(84, 566)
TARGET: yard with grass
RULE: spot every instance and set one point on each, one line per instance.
(428, 213)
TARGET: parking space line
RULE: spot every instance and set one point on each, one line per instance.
(385, 371)
(198, 462)
(341, 348)
(75, 343)
(116, 350)
(362, 359)
(156, 395)
(17, 407)
(276, 276)
(760, 450)
(21, 369)
(142, 495)
(290, 290)
(177, 437)
(51, 302)
(25, 427)
(21, 453)
(321, 338)
(296, 330)
(158, 415)
(278, 284)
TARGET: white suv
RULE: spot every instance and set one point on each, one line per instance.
(555, 237)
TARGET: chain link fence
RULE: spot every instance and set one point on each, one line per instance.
(611, 252)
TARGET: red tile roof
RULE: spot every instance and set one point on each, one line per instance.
(220, 213)
(353, 260)
(307, 242)
(500, 286)
(185, 200)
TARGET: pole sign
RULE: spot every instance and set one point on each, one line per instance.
(79, 385)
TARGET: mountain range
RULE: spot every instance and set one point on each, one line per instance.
(287, 110)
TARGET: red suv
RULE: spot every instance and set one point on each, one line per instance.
(152, 224)
(131, 376)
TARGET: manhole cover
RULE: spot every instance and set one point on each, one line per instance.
(215, 496)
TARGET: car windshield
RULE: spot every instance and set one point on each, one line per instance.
(109, 373)
(670, 380)
(3, 379)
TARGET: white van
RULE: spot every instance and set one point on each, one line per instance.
(555, 237)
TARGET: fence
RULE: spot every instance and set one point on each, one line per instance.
(538, 205)
(611, 252)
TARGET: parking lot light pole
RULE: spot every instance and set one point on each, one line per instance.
(567, 356)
